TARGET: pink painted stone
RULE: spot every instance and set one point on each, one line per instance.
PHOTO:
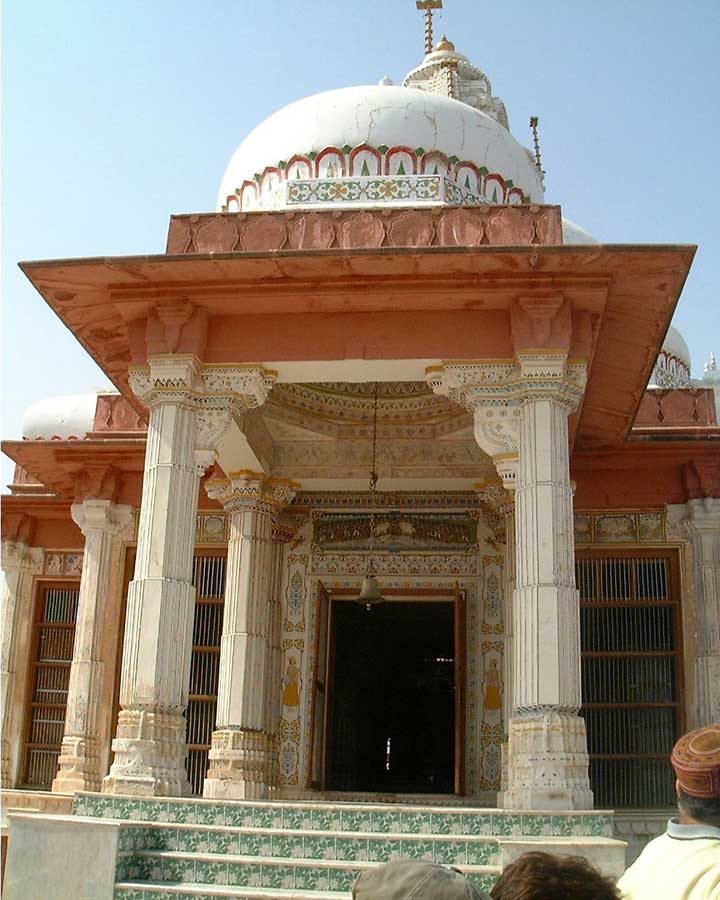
(263, 234)
(179, 238)
(411, 229)
(460, 228)
(506, 227)
(361, 230)
(219, 235)
(312, 232)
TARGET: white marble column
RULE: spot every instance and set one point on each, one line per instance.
(703, 528)
(521, 411)
(243, 750)
(191, 407)
(20, 564)
(79, 763)
(548, 760)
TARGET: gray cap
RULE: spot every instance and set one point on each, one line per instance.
(412, 880)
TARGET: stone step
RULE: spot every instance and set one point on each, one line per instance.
(255, 872)
(143, 890)
(346, 817)
(310, 844)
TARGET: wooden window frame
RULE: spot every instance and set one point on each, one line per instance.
(42, 587)
(673, 601)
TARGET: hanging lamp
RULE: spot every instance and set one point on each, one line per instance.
(370, 595)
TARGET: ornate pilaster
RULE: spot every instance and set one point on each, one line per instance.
(548, 761)
(702, 525)
(499, 504)
(191, 406)
(20, 564)
(243, 755)
(79, 766)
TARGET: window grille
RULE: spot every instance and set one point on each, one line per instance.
(209, 581)
(53, 639)
(631, 647)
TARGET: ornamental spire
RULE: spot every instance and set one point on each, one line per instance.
(428, 6)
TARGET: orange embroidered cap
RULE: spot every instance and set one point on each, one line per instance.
(696, 760)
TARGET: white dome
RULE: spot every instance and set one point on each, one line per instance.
(675, 345)
(672, 367)
(380, 130)
(574, 234)
(60, 418)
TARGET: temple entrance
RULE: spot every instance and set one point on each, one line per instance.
(393, 716)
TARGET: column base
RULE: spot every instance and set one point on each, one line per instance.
(78, 766)
(150, 752)
(548, 763)
(243, 765)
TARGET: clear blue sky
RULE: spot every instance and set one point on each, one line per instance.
(117, 114)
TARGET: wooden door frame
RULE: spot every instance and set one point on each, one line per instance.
(456, 596)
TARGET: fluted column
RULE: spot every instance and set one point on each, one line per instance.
(243, 748)
(521, 410)
(79, 763)
(20, 565)
(548, 760)
(191, 406)
(703, 528)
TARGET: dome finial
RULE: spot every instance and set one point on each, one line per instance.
(444, 44)
(428, 6)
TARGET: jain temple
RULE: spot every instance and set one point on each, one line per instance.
(398, 535)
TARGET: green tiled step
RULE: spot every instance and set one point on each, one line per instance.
(356, 847)
(350, 817)
(135, 890)
(253, 872)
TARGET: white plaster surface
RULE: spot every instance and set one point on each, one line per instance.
(377, 115)
(63, 857)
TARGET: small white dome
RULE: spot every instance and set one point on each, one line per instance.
(574, 234)
(672, 368)
(675, 345)
(60, 418)
(378, 131)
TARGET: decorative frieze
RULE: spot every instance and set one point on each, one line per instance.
(619, 527)
(467, 226)
(62, 563)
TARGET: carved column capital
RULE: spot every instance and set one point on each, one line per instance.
(101, 515)
(704, 515)
(17, 556)
(495, 391)
(498, 502)
(248, 491)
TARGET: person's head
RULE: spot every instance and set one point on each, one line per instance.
(541, 876)
(410, 880)
(696, 761)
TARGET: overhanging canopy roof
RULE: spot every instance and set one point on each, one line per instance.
(396, 303)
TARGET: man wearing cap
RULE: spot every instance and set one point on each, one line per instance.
(410, 880)
(684, 863)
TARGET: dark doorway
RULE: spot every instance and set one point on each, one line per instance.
(392, 713)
